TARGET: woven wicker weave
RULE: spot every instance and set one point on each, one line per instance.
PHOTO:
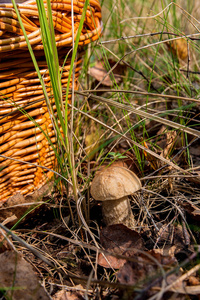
(22, 102)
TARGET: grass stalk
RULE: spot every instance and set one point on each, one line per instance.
(51, 54)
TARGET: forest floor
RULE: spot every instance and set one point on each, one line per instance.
(139, 110)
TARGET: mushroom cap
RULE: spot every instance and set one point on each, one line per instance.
(113, 183)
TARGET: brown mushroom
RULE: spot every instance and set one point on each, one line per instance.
(112, 186)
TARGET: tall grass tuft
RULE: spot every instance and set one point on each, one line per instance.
(66, 164)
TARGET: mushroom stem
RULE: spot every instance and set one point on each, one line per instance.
(118, 211)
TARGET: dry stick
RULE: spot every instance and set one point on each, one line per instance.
(143, 93)
(164, 229)
(167, 176)
(79, 210)
(70, 128)
(188, 60)
(186, 290)
(191, 72)
(148, 212)
(88, 285)
(148, 34)
(176, 282)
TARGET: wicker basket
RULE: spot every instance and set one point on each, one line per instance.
(22, 104)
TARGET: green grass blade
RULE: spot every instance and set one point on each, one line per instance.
(48, 39)
(74, 55)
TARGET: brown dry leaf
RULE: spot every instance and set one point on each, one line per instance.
(118, 239)
(192, 209)
(18, 204)
(109, 261)
(179, 48)
(166, 251)
(164, 260)
(99, 72)
(132, 272)
(69, 295)
(192, 280)
(18, 277)
(145, 268)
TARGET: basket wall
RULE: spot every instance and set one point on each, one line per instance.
(26, 131)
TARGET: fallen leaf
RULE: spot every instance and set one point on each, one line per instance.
(166, 251)
(164, 260)
(192, 280)
(69, 295)
(191, 208)
(132, 272)
(118, 239)
(146, 268)
(185, 290)
(179, 48)
(100, 74)
(18, 280)
(18, 204)
(109, 261)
